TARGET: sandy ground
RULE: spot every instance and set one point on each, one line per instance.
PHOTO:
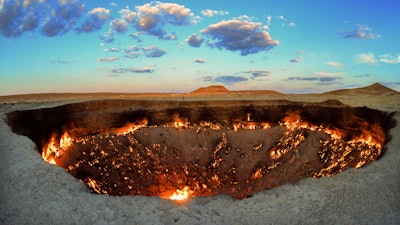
(35, 192)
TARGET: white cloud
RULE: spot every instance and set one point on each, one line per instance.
(361, 32)
(296, 60)
(153, 51)
(111, 59)
(119, 25)
(194, 40)
(128, 15)
(281, 17)
(111, 50)
(324, 78)
(258, 73)
(211, 13)
(150, 51)
(100, 13)
(239, 35)
(131, 70)
(95, 20)
(334, 64)
(152, 17)
(269, 19)
(390, 59)
(199, 61)
(366, 58)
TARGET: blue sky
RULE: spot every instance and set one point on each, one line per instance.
(290, 46)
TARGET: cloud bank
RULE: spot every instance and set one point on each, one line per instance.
(53, 17)
(63, 18)
(57, 17)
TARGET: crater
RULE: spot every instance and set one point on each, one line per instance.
(181, 149)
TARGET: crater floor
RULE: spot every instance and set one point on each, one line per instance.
(36, 192)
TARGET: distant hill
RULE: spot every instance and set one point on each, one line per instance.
(265, 92)
(211, 90)
(218, 89)
(374, 89)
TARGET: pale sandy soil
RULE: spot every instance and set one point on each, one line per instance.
(35, 192)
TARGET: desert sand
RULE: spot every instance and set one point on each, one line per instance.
(35, 192)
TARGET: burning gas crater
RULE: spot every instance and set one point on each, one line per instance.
(186, 156)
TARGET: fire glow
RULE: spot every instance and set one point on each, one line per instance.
(178, 150)
(180, 195)
(179, 160)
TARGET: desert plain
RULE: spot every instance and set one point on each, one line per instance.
(36, 192)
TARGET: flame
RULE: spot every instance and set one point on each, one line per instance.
(179, 123)
(292, 117)
(181, 194)
(95, 187)
(265, 125)
(249, 117)
(49, 150)
(55, 148)
(250, 125)
(66, 141)
(212, 126)
(131, 127)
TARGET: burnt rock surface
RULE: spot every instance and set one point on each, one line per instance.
(205, 153)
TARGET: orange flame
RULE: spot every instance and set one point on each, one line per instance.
(181, 195)
(179, 123)
(131, 127)
(55, 148)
